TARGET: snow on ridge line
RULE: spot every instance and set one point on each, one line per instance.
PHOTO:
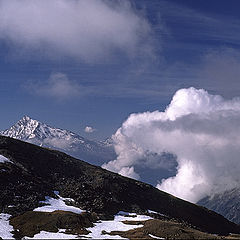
(163, 215)
(5, 227)
(152, 236)
(54, 204)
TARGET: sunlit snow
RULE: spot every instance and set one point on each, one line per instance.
(51, 235)
(54, 204)
(96, 232)
(5, 227)
(152, 236)
(150, 211)
(115, 225)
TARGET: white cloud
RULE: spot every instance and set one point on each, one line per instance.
(89, 129)
(60, 143)
(89, 30)
(57, 86)
(200, 129)
(129, 172)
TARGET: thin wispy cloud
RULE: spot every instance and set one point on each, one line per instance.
(199, 26)
(91, 31)
(219, 71)
(58, 86)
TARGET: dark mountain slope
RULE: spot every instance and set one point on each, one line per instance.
(36, 172)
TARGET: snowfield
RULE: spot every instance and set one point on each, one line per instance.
(115, 225)
(50, 235)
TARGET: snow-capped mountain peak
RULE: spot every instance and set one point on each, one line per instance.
(23, 129)
(33, 131)
(28, 128)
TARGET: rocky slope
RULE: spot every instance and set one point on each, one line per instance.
(32, 173)
(226, 203)
(33, 131)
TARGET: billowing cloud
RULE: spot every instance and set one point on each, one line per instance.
(201, 130)
(86, 30)
(57, 86)
(89, 129)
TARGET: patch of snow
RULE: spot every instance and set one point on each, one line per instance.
(115, 225)
(50, 235)
(126, 213)
(5, 227)
(54, 204)
(150, 211)
(152, 236)
(4, 159)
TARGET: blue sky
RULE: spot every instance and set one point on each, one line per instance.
(73, 64)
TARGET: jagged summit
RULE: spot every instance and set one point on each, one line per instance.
(25, 118)
(23, 129)
(36, 132)
(28, 128)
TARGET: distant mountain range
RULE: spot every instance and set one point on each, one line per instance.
(226, 203)
(33, 131)
(46, 193)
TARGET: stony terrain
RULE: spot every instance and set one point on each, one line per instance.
(226, 203)
(33, 172)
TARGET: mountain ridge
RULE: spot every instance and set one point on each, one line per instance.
(226, 204)
(35, 172)
(41, 134)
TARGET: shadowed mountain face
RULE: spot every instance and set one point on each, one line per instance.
(226, 203)
(33, 131)
(35, 172)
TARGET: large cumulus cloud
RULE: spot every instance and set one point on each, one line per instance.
(201, 130)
